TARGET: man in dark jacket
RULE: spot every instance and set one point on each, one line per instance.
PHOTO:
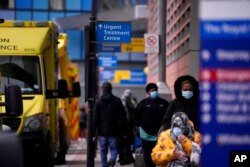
(186, 90)
(148, 116)
(110, 120)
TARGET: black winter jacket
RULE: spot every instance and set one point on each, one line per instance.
(188, 106)
(109, 116)
(149, 114)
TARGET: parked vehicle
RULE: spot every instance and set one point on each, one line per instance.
(29, 59)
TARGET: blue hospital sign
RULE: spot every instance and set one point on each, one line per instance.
(224, 80)
(115, 32)
(107, 61)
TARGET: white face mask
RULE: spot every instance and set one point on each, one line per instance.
(177, 131)
(187, 94)
(154, 94)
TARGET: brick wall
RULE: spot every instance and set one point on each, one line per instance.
(182, 40)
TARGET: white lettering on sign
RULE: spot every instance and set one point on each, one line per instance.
(110, 27)
(228, 107)
(224, 55)
(233, 139)
(233, 75)
(240, 158)
(225, 97)
(106, 32)
(107, 61)
(230, 119)
(113, 32)
(211, 28)
(227, 86)
(225, 28)
(114, 38)
(235, 29)
(233, 103)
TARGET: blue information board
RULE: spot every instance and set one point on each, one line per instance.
(106, 75)
(107, 61)
(138, 76)
(115, 32)
(224, 80)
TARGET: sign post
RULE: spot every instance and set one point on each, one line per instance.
(91, 82)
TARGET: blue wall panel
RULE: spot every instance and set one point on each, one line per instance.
(23, 4)
(86, 5)
(7, 15)
(40, 16)
(23, 15)
(74, 44)
(73, 4)
(40, 4)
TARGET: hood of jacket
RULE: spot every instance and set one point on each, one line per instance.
(177, 88)
(180, 119)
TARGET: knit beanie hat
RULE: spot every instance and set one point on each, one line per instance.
(151, 86)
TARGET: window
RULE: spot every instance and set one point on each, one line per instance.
(54, 15)
(7, 15)
(40, 4)
(73, 4)
(56, 4)
(23, 71)
(22, 15)
(86, 5)
(40, 16)
(74, 44)
(23, 4)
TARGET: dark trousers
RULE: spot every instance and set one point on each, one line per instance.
(147, 147)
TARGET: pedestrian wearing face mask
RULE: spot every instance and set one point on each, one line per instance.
(148, 117)
(186, 90)
(178, 146)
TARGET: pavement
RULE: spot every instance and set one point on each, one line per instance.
(77, 156)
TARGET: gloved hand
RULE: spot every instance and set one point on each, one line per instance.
(180, 155)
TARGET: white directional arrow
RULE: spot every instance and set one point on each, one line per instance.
(100, 26)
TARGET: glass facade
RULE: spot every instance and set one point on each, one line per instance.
(40, 16)
(43, 10)
(73, 6)
(22, 15)
(23, 4)
(55, 15)
(40, 4)
(8, 15)
(73, 45)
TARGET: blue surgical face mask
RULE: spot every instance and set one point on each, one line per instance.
(177, 131)
(187, 94)
(154, 94)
